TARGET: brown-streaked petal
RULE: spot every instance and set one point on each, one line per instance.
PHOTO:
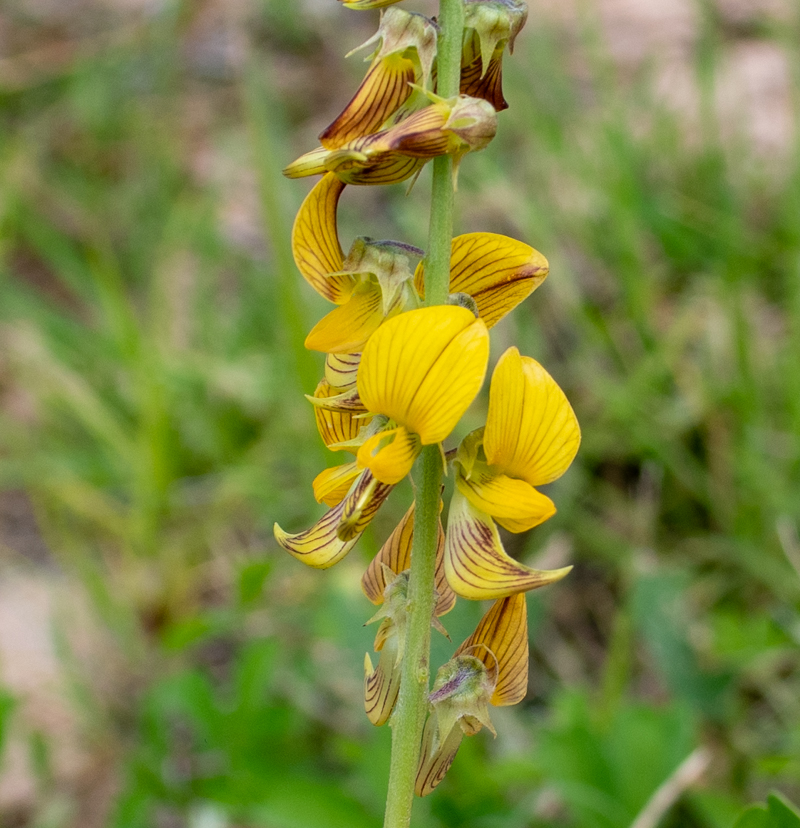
(504, 632)
(335, 426)
(382, 684)
(487, 86)
(315, 241)
(341, 370)
(336, 532)
(498, 272)
(396, 555)
(476, 564)
(435, 759)
(345, 401)
(354, 167)
(383, 90)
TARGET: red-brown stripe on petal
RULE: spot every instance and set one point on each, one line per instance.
(435, 760)
(382, 685)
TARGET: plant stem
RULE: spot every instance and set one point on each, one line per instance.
(409, 715)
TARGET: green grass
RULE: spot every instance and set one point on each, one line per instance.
(151, 322)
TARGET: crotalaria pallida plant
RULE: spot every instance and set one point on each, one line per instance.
(406, 352)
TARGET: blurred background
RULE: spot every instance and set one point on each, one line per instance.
(162, 663)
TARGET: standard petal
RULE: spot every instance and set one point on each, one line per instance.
(505, 498)
(504, 631)
(341, 370)
(396, 555)
(348, 327)
(423, 368)
(531, 430)
(335, 426)
(332, 485)
(498, 272)
(315, 241)
(389, 455)
(477, 566)
(383, 90)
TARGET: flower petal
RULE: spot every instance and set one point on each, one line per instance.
(423, 368)
(498, 272)
(383, 90)
(332, 485)
(382, 685)
(435, 759)
(389, 455)
(477, 566)
(396, 555)
(315, 241)
(309, 163)
(531, 430)
(335, 426)
(336, 532)
(504, 631)
(348, 327)
(353, 167)
(488, 86)
(341, 370)
(505, 497)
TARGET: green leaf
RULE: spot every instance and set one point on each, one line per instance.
(782, 813)
(754, 817)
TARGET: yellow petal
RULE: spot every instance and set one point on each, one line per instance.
(341, 370)
(531, 430)
(332, 485)
(435, 758)
(423, 368)
(477, 566)
(498, 272)
(348, 327)
(384, 168)
(335, 426)
(383, 90)
(382, 685)
(336, 532)
(505, 498)
(315, 241)
(389, 455)
(396, 555)
(504, 631)
(310, 163)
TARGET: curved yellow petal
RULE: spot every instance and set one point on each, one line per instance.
(423, 368)
(315, 241)
(332, 485)
(477, 566)
(505, 498)
(335, 426)
(498, 272)
(309, 163)
(382, 685)
(504, 631)
(341, 370)
(383, 90)
(531, 430)
(348, 327)
(396, 555)
(389, 455)
(337, 531)
(382, 168)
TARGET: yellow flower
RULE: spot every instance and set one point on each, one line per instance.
(421, 370)
(337, 532)
(498, 272)
(451, 126)
(531, 437)
(490, 667)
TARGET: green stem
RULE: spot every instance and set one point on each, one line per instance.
(409, 715)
